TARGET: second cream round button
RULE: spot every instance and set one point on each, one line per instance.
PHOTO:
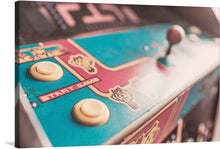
(91, 112)
(45, 71)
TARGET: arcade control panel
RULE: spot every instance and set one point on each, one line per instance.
(145, 83)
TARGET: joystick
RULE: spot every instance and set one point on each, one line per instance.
(174, 35)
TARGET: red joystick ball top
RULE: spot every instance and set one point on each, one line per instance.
(175, 34)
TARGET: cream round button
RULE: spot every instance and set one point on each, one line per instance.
(92, 108)
(45, 71)
(47, 68)
(91, 112)
(195, 30)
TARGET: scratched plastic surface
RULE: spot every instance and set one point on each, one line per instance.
(112, 50)
(198, 92)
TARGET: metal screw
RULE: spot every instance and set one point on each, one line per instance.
(173, 137)
(146, 48)
(33, 104)
(25, 94)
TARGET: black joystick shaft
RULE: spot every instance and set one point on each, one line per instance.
(169, 49)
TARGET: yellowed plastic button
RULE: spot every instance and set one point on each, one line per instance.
(92, 108)
(195, 30)
(47, 68)
(91, 112)
(45, 71)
